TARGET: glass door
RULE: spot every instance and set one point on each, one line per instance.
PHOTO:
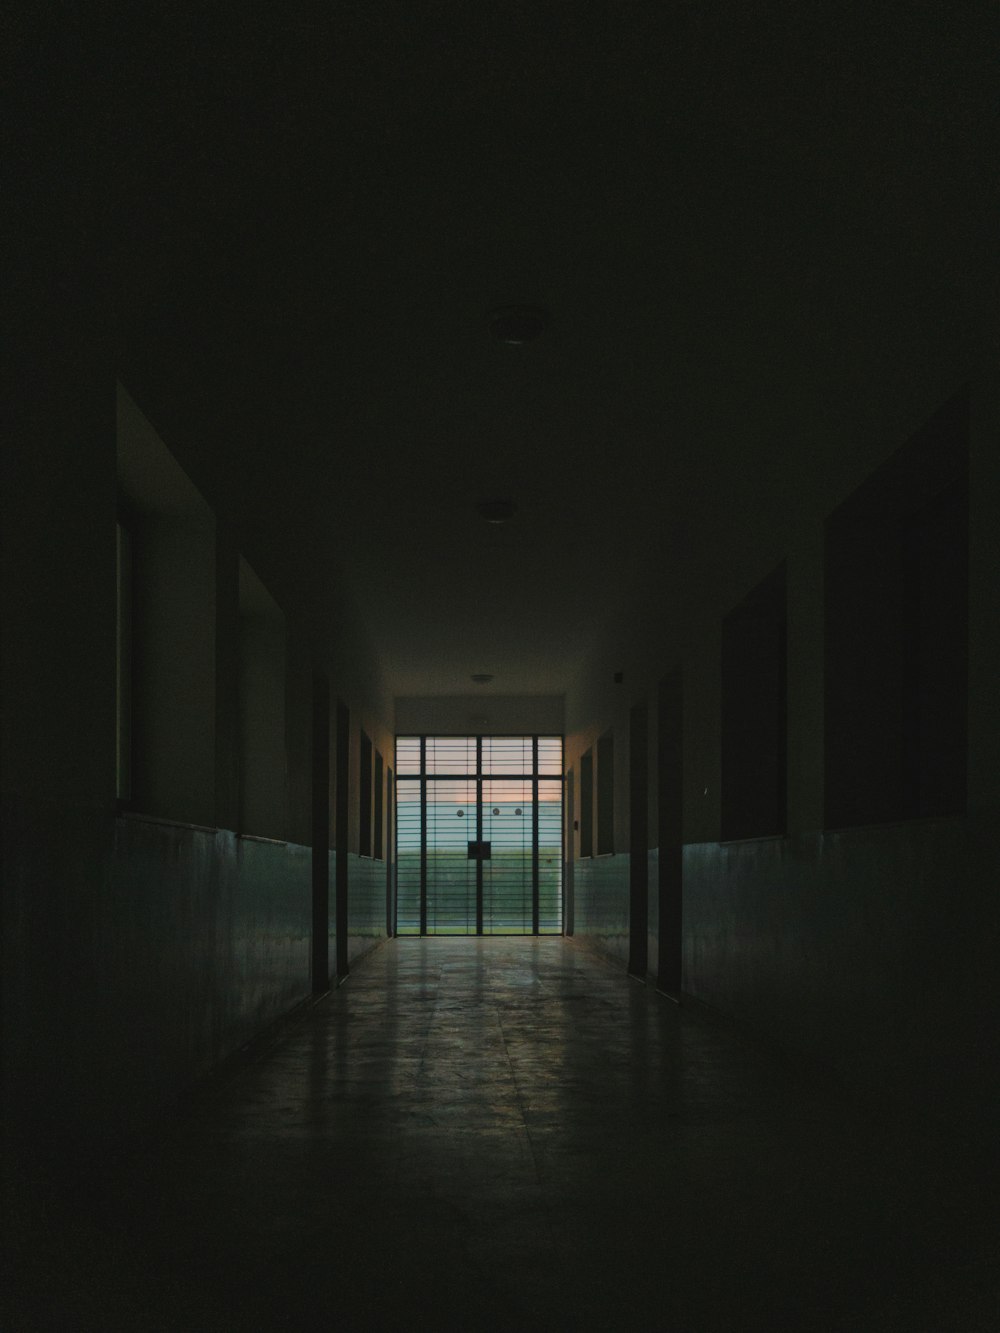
(479, 835)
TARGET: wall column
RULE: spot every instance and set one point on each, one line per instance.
(804, 574)
(321, 836)
(984, 581)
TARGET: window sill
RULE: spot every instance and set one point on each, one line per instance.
(753, 837)
(135, 817)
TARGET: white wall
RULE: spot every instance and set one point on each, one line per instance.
(486, 714)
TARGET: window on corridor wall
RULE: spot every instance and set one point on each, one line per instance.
(123, 665)
(587, 803)
(262, 675)
(754, 708)
(896, 633)
(366, 794)
(606, 795)
(166, 625)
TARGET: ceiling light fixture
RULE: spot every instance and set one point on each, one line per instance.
(496, 511)
(517, 324)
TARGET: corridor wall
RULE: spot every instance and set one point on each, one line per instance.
(865, 950)
(150, 931)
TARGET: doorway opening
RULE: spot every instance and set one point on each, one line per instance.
(479, 835)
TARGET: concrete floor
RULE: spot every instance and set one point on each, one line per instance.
(510, 1134)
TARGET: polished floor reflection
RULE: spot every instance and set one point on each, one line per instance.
(510, 1134)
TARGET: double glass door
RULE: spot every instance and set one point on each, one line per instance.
(479, 835)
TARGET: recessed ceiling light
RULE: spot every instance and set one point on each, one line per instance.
(496, 511)
(517, 324)
(482, 678)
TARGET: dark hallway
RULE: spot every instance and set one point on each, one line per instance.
(481, 468)
(501, 1134)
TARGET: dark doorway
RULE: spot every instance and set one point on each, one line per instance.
(638, 842)
(670, 831)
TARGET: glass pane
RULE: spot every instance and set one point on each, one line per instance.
(507, 874)
(407, 755)
(451, 754)
(451, 876)
(408, 857)
(550, 755)
(506, 754)
(550, 857)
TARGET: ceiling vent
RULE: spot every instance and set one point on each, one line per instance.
(517, 324)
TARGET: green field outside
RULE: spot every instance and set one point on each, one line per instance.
(451, 892)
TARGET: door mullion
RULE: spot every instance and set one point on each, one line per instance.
(423, 835)
(479, 834)
(534, 837)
